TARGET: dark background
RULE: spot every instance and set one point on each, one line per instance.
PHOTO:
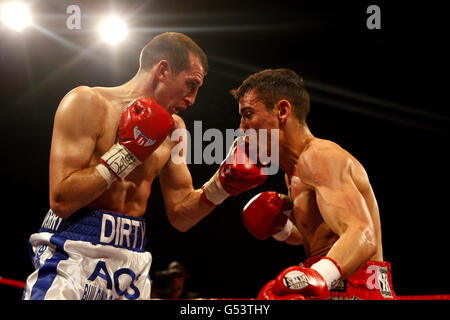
(380, 94)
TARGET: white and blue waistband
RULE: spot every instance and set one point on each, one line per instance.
(98, 227)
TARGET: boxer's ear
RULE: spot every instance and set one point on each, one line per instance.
(283, 109)
(163, 70)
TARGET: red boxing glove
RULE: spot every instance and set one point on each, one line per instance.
(266, 214)
(267, 293)
(144, 125)
(237, 173)
(299, 280)
(312, 283)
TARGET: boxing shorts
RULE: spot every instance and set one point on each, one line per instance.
(92, 255)
(373, 281)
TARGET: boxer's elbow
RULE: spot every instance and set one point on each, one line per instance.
(62, 209)
(181, 227)
(178, 221)
(368, 241)
(183, 214)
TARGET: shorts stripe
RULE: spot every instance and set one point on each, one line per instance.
(47, 273)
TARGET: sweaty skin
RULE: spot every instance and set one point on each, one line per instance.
(85, 127)
(334, 208)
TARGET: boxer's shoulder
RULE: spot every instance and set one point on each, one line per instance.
(85, 94)
(319, 159)
(178, 122)
(83, 100)
(81, 112)
(181, 133)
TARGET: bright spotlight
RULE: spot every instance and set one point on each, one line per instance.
(113, 30)
(15, 15)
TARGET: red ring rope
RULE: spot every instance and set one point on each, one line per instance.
(12, 283)
(20, 285)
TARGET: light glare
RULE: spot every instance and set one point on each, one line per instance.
(113, 30)
(16, 15)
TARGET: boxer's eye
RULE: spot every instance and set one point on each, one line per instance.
(192, 86)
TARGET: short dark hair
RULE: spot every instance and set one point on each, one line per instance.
(273, 85)
(173, 47)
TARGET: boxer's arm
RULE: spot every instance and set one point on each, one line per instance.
(342, 207)
(295, 238)
(77, 125)
(289, 234)
(183, 203)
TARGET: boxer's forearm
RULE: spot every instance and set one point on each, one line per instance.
(76, 191)
(187, 212)
(295, 237)
(353, 248)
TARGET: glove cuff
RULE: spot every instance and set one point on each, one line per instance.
(329, 270)
(107, 174)
(120, 161)
(213, 191)
(285, 232)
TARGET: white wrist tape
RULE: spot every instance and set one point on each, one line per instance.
(106, 173)
(285, 232)
(214, 191)
(329, 271)
(119, 160)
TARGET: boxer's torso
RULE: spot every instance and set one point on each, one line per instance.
(130, 195)
(317, 236)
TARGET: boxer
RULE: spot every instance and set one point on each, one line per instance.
(330, 208)
(108, 146)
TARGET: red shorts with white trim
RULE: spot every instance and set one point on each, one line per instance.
(373, 281)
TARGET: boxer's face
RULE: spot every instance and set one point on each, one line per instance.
(255, 115)
(179, 91)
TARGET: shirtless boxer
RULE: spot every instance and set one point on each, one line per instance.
(108, 146)
(331, 208)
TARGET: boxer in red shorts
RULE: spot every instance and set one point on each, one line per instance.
(331, 208)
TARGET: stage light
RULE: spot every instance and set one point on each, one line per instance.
(113, 30)
(16, 15)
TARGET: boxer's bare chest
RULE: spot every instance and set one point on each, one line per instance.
(130, 195)
(109, 136)
(318, 238)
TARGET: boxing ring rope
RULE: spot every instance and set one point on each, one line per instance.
(21, 284)
(12, 283)
(425, 297)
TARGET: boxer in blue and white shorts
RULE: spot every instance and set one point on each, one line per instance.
(93, 255)
(108, 146)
